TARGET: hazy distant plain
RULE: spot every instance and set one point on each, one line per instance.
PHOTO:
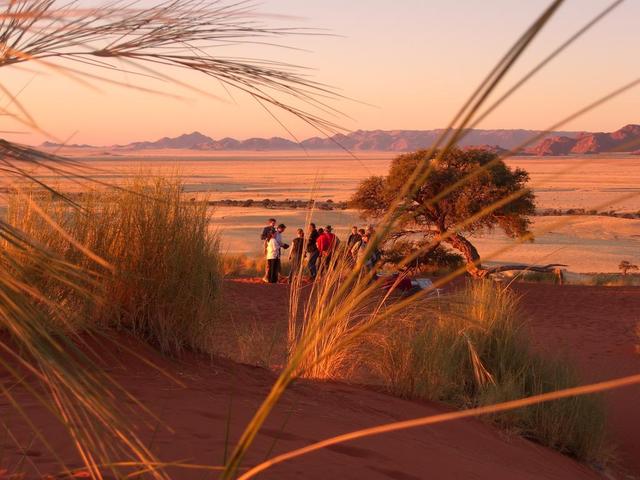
(566, 182)
(586, 243)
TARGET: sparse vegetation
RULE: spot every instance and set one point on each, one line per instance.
(286, 204)
(163, 281)
(582, 211)
(243, 265)
(610, 280)
(597, 279)
(328, 340)
(470, 350)
(252, 343)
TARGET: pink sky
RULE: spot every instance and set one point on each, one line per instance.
(412, 63)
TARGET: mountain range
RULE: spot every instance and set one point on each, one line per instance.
(627, 139)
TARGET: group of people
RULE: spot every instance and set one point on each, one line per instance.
(318, 249)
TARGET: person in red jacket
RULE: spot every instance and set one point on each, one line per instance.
(327, 243)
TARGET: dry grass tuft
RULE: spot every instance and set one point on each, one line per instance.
(471, 350)
(320, 331)
(243, 266)
(163, 277)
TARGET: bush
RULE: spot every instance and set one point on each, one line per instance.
(470, 350)
(439, 258)
(164, 283)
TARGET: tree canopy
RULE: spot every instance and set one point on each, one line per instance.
(465, 191)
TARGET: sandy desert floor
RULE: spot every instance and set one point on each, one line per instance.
(585, 243)
(594, 324)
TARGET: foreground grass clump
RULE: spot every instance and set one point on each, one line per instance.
(327, 335)
(470, 350)
(163, 281)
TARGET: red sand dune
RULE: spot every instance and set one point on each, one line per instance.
(219, 390)
(596, 327)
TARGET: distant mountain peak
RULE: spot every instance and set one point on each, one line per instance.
(497, 140)
(625, 139)
(194, 135)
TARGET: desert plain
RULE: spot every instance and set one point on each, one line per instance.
(585, 243)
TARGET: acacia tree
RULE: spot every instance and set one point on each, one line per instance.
(476, 203)
(625, 266)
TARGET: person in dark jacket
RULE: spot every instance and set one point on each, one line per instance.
(354, 239)
(270, 228)
(296, 255)
(312, 251)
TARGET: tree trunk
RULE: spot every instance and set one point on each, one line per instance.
(470, 253)
(474, 267)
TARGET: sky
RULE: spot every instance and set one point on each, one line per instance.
(407, 64)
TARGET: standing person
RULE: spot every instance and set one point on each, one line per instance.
(270, 228)
(361, 248)
(370, 231)
(274, 248)
(267, 232)
(278, 235)
(376, 254)
(367, 265)
(354, 238)
(327, 243)
(296, 255)
(312, 251)
(359, 245)
(272, 258)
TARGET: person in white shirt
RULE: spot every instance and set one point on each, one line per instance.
(274, 246)
(267, 232)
